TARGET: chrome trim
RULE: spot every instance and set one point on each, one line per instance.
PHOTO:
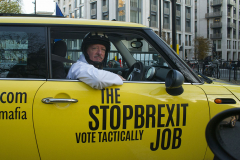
(23, 79)
(64, 80)
(197, 83)
(58, 100)
(187, 84)
(143, 82)
(70, 80)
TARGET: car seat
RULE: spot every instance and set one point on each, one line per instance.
(58, 70)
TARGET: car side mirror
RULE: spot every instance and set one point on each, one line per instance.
(222, 134)
(174, 79)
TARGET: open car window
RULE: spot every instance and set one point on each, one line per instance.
(126, 49)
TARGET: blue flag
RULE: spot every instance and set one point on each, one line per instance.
(58, 11)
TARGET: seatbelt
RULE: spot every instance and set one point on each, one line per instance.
(61, 59)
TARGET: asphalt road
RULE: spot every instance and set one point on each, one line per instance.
(231, 139)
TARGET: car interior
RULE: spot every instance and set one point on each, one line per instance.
(130, 55)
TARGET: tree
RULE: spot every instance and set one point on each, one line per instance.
(10, 6)
(202, 46)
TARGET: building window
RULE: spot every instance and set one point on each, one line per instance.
(76, 13)
(93, 12)
(188, 13)
(180, 40)
(135, 11)
(195, 27)
(178, 24)
(153, 13)
(186, 40)
(121, 10)
(178, 11)
(190, 40)
(168, 38)
(76, 4)
(234, 33)
(219, 44)
(188, 21)
(166, 6)
(81, 12)
(105, 12)
(166, 24)
(70, 10)
(188, 26)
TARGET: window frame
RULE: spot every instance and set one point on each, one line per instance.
(160, 46)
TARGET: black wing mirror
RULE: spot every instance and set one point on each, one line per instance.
(174, 79)
(173, 83)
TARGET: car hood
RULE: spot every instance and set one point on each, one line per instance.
(235, 89)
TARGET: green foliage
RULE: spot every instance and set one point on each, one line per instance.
(10, 7)
(202, 46)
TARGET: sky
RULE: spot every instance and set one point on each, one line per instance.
(42, 6)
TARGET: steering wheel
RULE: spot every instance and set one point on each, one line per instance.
(136, 72)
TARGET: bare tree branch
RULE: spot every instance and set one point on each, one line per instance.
(201, 47)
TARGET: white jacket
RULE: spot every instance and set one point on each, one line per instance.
(92, 76)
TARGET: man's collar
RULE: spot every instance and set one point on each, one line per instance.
(83, 59)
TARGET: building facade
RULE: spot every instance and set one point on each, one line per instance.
(219, 21)
(156, 14)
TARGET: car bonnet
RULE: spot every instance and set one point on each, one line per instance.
(235, 89)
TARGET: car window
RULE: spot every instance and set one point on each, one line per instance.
(126, 49)
(22, 52)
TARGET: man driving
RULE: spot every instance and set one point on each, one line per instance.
(88, 68)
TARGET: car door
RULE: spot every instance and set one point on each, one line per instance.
(132, 121)
(22, 72)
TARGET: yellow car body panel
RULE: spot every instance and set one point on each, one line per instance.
(235, 89)
(215, 89)
(73, 127)
(217, 108)
(65, 21)
(17, 130)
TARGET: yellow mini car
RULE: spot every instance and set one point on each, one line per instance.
(160, 112)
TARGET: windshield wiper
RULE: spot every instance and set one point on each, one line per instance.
(205, 78)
